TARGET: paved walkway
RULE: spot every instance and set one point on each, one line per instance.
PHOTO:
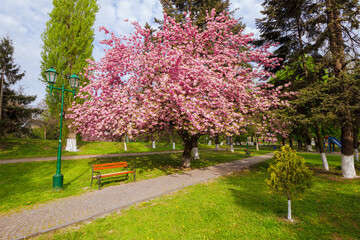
(63, 212)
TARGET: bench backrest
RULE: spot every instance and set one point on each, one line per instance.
(97, 167)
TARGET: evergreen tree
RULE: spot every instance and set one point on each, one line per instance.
(178, 9)
(14, 110)
(10, 72)
(311, 27)
(342, 22)
(67, 44)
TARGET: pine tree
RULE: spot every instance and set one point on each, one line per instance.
(10, 72)
(14, 110)
(198, 9)
(67, 44)
(179, 8)
(311, 27)
(342, 23)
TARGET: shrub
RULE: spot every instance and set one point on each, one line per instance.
(289, 175)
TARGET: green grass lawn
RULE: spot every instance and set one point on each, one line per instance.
(12, 148)
(21, 183)
(237, 207)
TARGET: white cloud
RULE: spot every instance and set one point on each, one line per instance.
(25, 21)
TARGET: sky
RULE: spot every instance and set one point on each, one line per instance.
(24, 21)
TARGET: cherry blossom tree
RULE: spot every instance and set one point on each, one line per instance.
(197, 81)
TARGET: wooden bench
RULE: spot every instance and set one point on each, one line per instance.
(96, 167)
(248, 152)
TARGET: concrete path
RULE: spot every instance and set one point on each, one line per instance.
(63, 212)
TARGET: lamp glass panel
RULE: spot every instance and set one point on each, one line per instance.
(51, 77)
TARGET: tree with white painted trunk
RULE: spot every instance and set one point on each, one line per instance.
(196, 81)
(289, 175)
(67, 45)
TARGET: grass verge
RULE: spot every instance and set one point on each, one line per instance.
(21, 183)
(237, 207)
(13, 148)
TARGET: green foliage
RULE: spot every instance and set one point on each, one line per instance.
(67, 44)
(198, 9)
(289, 174)
(14, 110)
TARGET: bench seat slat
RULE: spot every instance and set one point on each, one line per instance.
(114, 174)
(109, 167)
(107, 164)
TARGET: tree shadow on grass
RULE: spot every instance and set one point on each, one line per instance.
(68, 184)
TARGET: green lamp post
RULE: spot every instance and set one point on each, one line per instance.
(51, 75)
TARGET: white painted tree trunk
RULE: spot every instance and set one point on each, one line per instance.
(231, 148)
(217, 147)
(153, 144)
(209, 143)
(309, 148)
(289, 210)
(348, 166)
(125, 147)
(71, 145)
(173, 145)
(356, 155)
(324, 162)
(196, 153)
(222, 143)
(257, 146)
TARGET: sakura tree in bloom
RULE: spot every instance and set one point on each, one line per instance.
(198, 81)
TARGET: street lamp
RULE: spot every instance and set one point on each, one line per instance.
(51, 75)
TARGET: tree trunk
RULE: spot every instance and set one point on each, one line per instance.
(153, 144)
(44, 133)
(172, 140)
(257, 143)
(291, 143)
(321, 147)
(289, 210)
(71, 140)
(356, 137)
(231, 145)
(300, 145)
(1, 93)
(125, 147)
(217, 143)
(283, 141)
(347, 148)
(196, 151)
(189, 143)
(308, 145)
(338, 60)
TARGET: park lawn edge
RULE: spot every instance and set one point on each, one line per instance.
(305, 224)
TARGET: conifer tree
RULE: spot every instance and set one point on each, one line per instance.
(314, 27)
(67, 44)
(10, 72)
(178, 9)
(13, 104)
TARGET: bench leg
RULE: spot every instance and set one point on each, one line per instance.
(91, 181)
(134, 177)
(99, 182)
